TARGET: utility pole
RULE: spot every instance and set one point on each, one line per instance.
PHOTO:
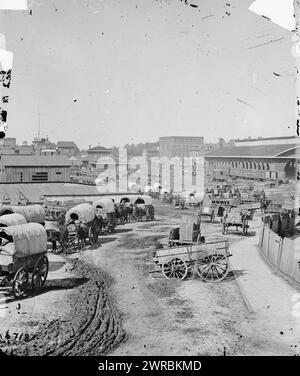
(39, 124)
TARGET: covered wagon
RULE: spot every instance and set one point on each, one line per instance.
(32, 213)
(105, 213)
(143, 206)
(13, 219)
(23, 257)
(81, 224)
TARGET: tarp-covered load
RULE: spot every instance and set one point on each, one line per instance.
(82, 212)
(104, 206)
(52, 226)
(13, 219)
(32, 213)
(28, 239)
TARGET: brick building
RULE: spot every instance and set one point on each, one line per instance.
(178, 146)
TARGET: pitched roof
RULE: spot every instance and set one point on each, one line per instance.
(268, 151)
(34, 161)
(99, 148)
(66, 144)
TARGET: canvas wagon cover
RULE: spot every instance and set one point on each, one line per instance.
(130, 198)
(29, 239)
(106, 203)
(147, 200)
(12, 219)
(85, 212)
(32, 213)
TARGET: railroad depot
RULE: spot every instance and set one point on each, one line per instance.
(273, 158)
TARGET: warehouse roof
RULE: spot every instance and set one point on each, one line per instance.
(35, 192)
(266, 138)
(66, 144)
(34, 161)
(268, 151)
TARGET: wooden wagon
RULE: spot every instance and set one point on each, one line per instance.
(143, 207)
(105, 215)
(209, 209)
(207, 257)
(23, 258)
(80, 224)
(238, 218)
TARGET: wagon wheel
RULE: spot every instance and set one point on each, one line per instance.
(175, 268)
(40, 273)
(20, 283)
(213, 268)
(93, 235)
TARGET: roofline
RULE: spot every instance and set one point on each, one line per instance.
(265, 139)
(165, 137)
(33, 165)
(248, 156)
(295, 147)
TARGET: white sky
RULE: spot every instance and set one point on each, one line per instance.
(279, 11)
(13, 4)
(116, 71)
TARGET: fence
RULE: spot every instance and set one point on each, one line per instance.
(282, 253)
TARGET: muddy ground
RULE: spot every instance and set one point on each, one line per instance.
(111, 300)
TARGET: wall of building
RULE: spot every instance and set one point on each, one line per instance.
(251, 168)
(178, 146)
(33, 174)
(66, 151)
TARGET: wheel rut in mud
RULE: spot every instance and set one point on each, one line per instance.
(94, 326)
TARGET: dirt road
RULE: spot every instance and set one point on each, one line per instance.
(115, 306)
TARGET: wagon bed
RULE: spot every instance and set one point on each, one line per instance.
(209, 259)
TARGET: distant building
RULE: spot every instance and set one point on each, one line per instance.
(198, 151)
(34, 168)
(151, 151)
(177, 146)
(67, 148)
(9, 142)
(42, 144)
(272, 158)
(96, 152)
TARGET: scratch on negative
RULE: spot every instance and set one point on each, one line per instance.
(263, 44)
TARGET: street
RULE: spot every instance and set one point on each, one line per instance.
(107, 300)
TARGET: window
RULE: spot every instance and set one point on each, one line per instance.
(40, 176)
(58, 172)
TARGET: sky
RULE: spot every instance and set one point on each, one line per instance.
(114, 72)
